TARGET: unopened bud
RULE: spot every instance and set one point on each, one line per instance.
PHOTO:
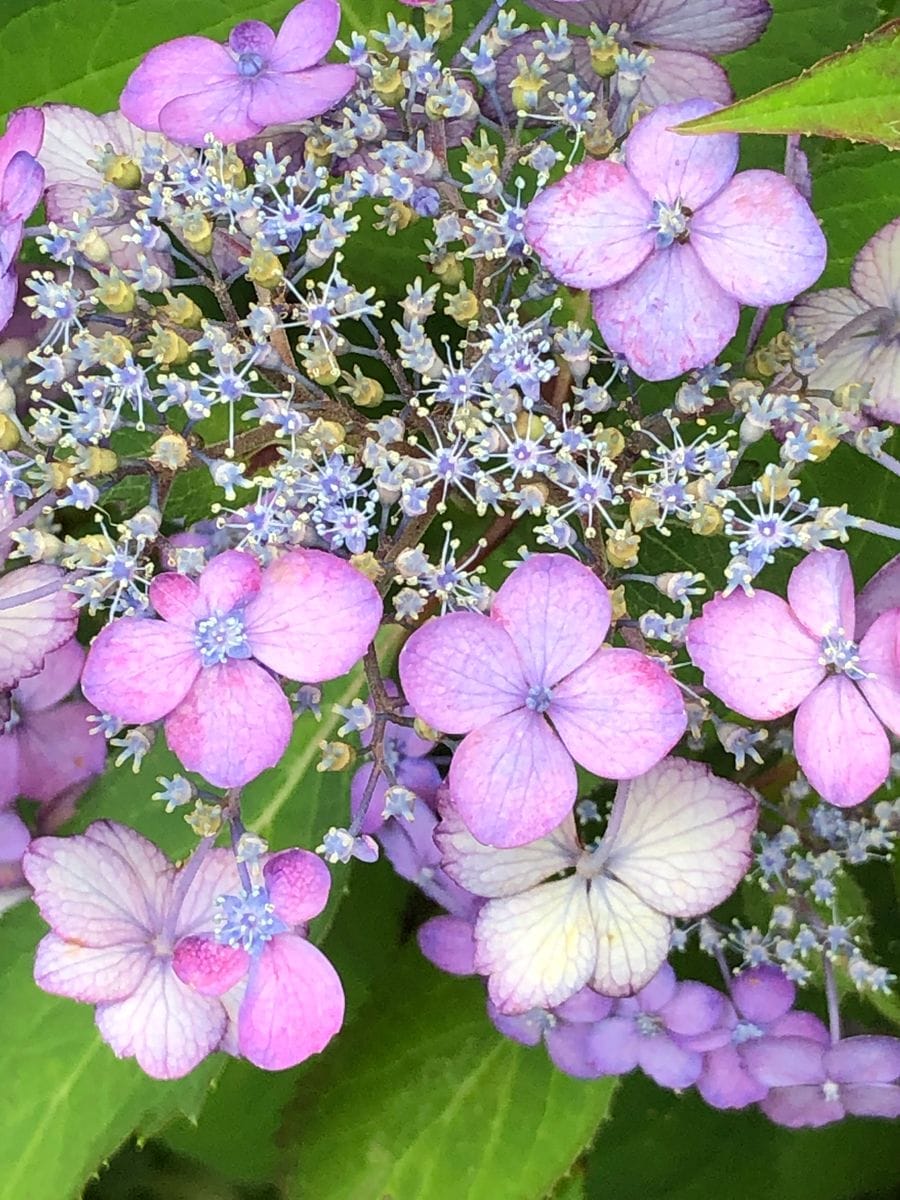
(336, 756)
(462, 306)
(171, 452)
(182, 310)
(387, 83)
(367, 564)
(116, 294)
(121, 171)
(623, 547)
(264, 268)
(196, 229)
(9, 433)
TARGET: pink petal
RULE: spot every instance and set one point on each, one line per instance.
(252, 37)
(107, 887)
(876, 272)
(556, 612)
(762, 994)
(164, 1024)
(680, 836)
(54, 681)
(306, 35)
(865, 1059)
(172, 70)
(9, 289)
(298, 883)
(512, 780)
(619, 713)
(293, 1007)
(234, 723)
(669, 316)
(840, 743)
(710, 26)
(230, 579)
(754, 654)
(460, 671)
(283, 99)
(449, 943)
(139, 669)
(881, 593)
(759, 239)
(678, 75)
(216, 876)
(22, 186)
(31, 629)
(209, 967)
(313, 617)
(820, 591)
(675, 167)
(57, 751)
(177, 599)
(221, 109)
(590, 229)
(85, 973)
(24, 131)
(879, 656)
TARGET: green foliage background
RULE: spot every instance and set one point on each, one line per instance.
(419, 1099)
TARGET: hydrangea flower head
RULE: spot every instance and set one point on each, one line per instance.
(193, 86)
(670, 245)
(532, 688)
(856, 330)
(677, 843)
(21, 186)
(116, 908)
(764, 657)
(290, 1002)
(207, 666)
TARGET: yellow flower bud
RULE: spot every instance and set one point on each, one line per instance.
(9, 433)
(59, 474)
(776, 483)
(426, 731)
(643, 512)
(527, 86)
(206, 819)
(387, 83)
(449, 269)
(483, 153)
(232, 169)
(367, 564)
(363, 391)
(336, 756)
(599, 139)
(167, 347)
(94, 247)
(182, 310)
(707, 520)
(321, 366)
(529, 426)
(196, 229)
(116, 294)
(265, 269)
(171, 452)
(122, 171)
(395, 216)
(610, 442)
(97, 460)
(113, 348)
(823, 442)
(324, 435)
(439, 21)
(317, 150)
(462, 306)
(623, 547)
(619, 606)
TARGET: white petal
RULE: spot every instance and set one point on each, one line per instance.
(217, 876)
(539, 948)
(84, 973)
(632, 938)
(679, 837)
(31, 629)
(820, 315)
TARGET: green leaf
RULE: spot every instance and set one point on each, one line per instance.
(854, 94)
(421, 1097)
(66, 1102)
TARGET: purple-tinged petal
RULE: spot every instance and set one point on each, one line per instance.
(800, 1107)
(785, 1061)
(871, 1099)
(820, 315)
(619, 713)
(798, 1023)
(879, 657)
(9, 768)
(449, 943)
(632, 938)
(164, 1024)
(876, 272)
(675, 167)
(460, 671)
(140, 669)
(569, 1047)
(512, 780)
(754, 654)
(840, 743)
(57, 751)
(177, 599)
(24, 131)
(710, 26)
(209, 967)
(556, 612)
(298, 884)
(525, 1028)
(585, 1007)
(9, 290)
(865, 1059)
(176, 68)
(313, 617)
(759, 239)
(762, 994)
(293, 1007)
(31, 628)
(306, 35)
(230, 579)
(15, 837)
(614, 1046)
(659, 991)
(880, 594)
(678, 75)
(58, 676)
(694, 1009)
(283, 99)
(669, 1064)
(820, 591)
(234, 723)
(669, 316)
(221, 109)
(726, 1083)
(22, 186)
(591, 228)
(92, 975)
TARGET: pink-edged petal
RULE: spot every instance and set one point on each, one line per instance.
(591, 228)
(139, 669)
(818, 316)
(556, 612)
(801, 1107)
(221, 109)
(840, 743)
(233, 723)
(674, 167)
(209, 967)
(871, 1100)
(754, 654)
(759, 239)
(865, 1059)
(57, 750)
(283, 99)
(669, 316)
(512, 780)
(879, 657)
(537, 948)
(306, 35)
(460, 671)
(298, 883)
(490, 872)
(293, 1007)
(167, 1026)
(24, 131)
(108, 887)
(678, 75)
(785, 1062)
(710, 26)
(821, 593)
(92, 975)
(449, 943)
(177, 599)
(216, 876)
(632, 938)
(54, 681)
(230, 579)
(31, 628)
(614, 1046)
(188, 64)
(313, 617)
(668, 1064)
(22, 186)
(876, 272)
(619, 713)
(762, 994)
(880, 594)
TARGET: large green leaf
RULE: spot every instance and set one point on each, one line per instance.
(421, 1097)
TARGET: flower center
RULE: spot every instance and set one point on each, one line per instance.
(648, 1024)
(841, 654)
(247, 921)
(831, 1091)
(671, 222)
(538, 698)
(745, 1031)
(249, 64)
(219, 637)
